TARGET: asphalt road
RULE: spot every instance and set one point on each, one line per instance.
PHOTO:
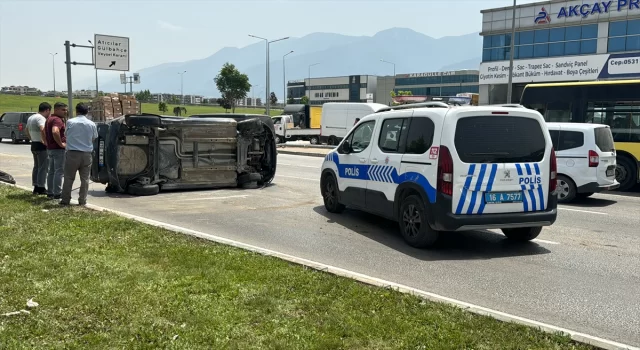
(583, 273)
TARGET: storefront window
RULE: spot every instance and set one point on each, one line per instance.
(556, 49)
(633, 43)
(588, 46)
(541, 50)
(572, 48)
(617, 44)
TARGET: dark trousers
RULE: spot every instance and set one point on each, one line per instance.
(40, 165)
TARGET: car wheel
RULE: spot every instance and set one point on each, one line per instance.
(313, 140)
(14, 140)
(330, 195)
(249, 181)
(331, 141)
(522, 233)
(566, 189)
(625, 173)
(142, 120)
(137, 189)
(414, 226)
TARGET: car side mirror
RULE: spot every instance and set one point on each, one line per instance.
(346, 147)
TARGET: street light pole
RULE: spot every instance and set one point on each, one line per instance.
(53, 56)
(181, 86)
(267, 63)
(513, 38)
(284, 79)
(394, 66)
(311, 65)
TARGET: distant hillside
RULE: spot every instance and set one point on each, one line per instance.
(473, 63)
(337, 54)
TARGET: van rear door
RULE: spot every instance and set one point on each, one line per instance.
(605, 163)
(501, 161)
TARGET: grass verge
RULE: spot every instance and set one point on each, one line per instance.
(14, 103)
(107, 282)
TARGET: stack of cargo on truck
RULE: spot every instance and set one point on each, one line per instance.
(298, 122)
(105, 108)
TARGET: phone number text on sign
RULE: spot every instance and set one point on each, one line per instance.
(629, 65)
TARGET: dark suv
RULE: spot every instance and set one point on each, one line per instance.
(143, 154)
(13, 125)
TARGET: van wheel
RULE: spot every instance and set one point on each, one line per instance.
(413, 224)
(522, 233)
(137, 189)
(625, 173)
(330, 195)
(14, 140)
(313, 140)
(566, 189)
(331, 141)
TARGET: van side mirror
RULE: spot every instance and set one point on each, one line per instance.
(346, 147)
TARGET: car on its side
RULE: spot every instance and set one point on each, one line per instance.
(143, 154)
(586, 159)
(13, 126)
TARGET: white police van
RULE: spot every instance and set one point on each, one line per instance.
(447, 169)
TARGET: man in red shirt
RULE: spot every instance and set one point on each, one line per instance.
(56, 144)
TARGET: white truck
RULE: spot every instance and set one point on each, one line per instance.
(339, 117)
(298, 122)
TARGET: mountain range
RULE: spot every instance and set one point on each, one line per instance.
(336, 55)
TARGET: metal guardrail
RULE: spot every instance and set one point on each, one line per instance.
(282, 145)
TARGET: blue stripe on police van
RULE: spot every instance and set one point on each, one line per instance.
(382, 173)
(467, 183)
(532, 194)
(525, 202)
(540, 192)
(474, 194)
(492, 178)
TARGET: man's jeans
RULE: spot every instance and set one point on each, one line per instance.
(56, 170)
(40, 164)
(76, 161)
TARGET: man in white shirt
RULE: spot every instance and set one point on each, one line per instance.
(35, 131)
(80, 133)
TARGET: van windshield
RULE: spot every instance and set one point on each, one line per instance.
(499, 139)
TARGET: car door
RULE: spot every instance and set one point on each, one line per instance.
(3, 126)
(353, 164)
(387, 150)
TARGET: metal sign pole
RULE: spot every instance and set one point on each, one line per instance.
(67, 49)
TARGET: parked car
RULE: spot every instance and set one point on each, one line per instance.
(143, 154)
(586, 159)
(13, 125)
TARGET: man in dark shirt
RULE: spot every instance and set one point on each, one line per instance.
(56, 143)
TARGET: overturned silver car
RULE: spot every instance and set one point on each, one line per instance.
(144, 154)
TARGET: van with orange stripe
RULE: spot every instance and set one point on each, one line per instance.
(447, 168)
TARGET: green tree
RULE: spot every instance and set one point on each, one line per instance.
(162, 107)
(178, 111)
(273, 98)
(290, 100)
(143, 96)
(224, 103)
(232, 84)
(304, 100)
(393, 94)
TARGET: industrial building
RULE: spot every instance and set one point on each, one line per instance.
(558, 41)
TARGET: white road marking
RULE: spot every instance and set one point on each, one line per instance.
(299, 165)
(299, 178)
(208, 198)
(545, 241)
(584, 211)
(476, 309)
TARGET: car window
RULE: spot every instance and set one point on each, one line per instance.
(360, 138)
(604, 139)
(10, 118)
(570, 140)
(555, 138)
(420, 135)
(499, 139)
(391, 134)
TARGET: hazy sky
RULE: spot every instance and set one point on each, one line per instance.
(169, 31)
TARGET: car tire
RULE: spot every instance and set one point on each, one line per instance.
(330, 195)
(143, 190)
(278, 139)
(566, 189)
(414, 226)
(522, 234)
(331, 141)
(247, 178)
(142, 120)
(314, 140)
(626, 168)
(14, 139)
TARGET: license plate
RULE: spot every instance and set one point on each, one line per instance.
(502, 197)
(101, 153)
(611, 172)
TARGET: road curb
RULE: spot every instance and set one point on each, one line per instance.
(476, 309)
(302, 154)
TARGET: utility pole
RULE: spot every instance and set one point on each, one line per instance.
(284, 79)
(268, 92)
(93, 56)
(394, 66)
(67, 49)
(511, 53)
(53, 56)
(181, 86)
